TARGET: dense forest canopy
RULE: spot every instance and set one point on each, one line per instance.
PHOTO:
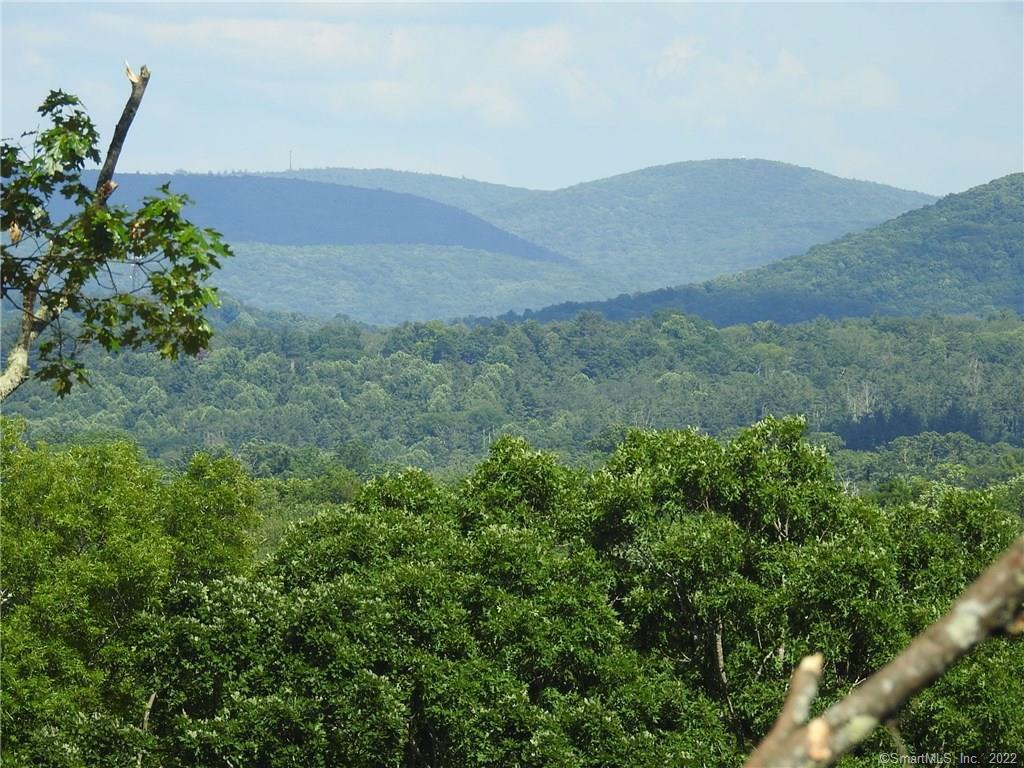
(582, 543)
(435, 395)
(643, 614)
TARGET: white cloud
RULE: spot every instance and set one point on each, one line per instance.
(788, 66)
(582, 92)
(731, 87)
(543, 62)
(867, 88)
(491, 102)
(676, 57)
(302, 42)
(539, 49)
(408, 45)
(393, 99)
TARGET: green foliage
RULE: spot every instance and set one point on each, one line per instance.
(953, 458)
(209, 514)
(82, 264)
(645, 614)
(435, 395)
(403, 631)
(92, 539)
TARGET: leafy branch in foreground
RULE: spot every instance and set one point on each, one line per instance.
(86, 264)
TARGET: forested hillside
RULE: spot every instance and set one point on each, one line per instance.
(388, 284)
(289, 585)
(478, 197)
(287, 212)
(340, 468)
(962, 255)
(435, 395)
(669, 223)
(688, 221)
(648, 229)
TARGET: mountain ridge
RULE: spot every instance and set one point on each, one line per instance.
(677, 222)
(642, 230)
(295, 212)
(930, 249)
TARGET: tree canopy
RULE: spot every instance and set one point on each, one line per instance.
(647, 613)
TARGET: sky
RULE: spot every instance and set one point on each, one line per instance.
(924, 96)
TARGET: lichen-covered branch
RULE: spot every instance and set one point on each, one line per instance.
(991, 605)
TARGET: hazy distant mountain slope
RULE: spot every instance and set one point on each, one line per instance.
(390, 283)
(669, 224)
(403, 251)
(295, 212)
(699, 219)
(478, 197)
(962, 255)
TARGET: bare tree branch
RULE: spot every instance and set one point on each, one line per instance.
(991, 605)
(803, 688)
(145, 724)
(105, 179)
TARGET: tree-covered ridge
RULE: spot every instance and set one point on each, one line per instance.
(647, 613)
(667, 224)
(962, 255)
(480, 198)
(657, 226)
(953, 458)
(434, 395)
(390, 284)
(708, 217)
(286, 212)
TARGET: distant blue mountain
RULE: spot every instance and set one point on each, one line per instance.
(962, 255)
(387, 246)
(280, 211)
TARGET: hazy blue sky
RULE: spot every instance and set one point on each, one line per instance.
(921, 95)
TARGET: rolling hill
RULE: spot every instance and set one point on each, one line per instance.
(961, 255)
(668, 224)
(389, 246)
(387, 283)
(294, 212)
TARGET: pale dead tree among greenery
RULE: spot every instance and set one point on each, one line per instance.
(65, 283)
(994, 604)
